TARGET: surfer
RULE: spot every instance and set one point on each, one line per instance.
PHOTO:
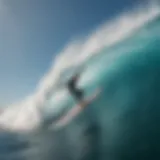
(76, 92)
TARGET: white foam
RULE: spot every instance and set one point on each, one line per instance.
(25, 115)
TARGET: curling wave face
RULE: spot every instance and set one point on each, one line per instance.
(123, 123)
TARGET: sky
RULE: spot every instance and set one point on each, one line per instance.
(33, 32)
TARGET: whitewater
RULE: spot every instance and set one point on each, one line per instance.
(27, 114)
(122, 56)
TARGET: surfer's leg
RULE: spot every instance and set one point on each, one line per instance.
(79, 96)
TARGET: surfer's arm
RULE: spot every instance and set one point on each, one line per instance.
(63, 83)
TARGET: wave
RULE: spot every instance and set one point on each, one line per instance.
(28, 114)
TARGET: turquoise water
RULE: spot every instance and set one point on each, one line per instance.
(122, 124)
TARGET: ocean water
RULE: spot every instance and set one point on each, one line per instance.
(123, 123)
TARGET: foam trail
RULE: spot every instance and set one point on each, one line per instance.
(26, 114)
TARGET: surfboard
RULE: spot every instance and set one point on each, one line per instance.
(77, 109)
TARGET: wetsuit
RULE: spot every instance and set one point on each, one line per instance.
(77, 93)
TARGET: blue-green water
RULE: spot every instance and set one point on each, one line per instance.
(122, 124)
